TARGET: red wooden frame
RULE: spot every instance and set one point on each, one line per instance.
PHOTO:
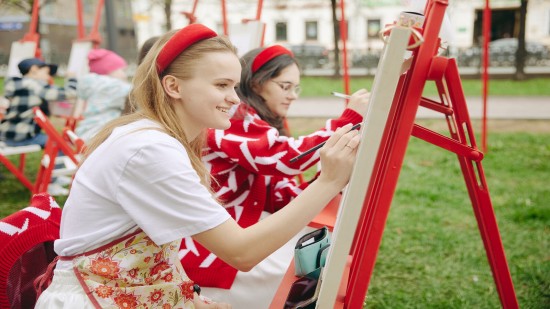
(399, 127)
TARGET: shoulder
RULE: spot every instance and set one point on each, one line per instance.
(146, 134)
(93, 82)
(137, 144)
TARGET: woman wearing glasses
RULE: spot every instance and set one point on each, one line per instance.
(250, 163)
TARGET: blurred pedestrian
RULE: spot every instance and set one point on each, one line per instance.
(104, 89)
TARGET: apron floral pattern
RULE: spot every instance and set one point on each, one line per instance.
(133, 272)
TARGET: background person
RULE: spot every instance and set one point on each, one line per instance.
(142, 187)
(104, 89)
(18, 127)
(250, 162)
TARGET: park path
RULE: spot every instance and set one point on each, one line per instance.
(498, 107)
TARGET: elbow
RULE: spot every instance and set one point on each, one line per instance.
(245, 268)
(242, 263)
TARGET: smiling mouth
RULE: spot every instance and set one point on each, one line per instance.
(223, 109)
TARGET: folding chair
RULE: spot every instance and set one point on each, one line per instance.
(67, 142)
(19, 170)
(26, 250)
(72, 115)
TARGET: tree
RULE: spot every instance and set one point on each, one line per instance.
(22, 5)
(18, 5)
(26, 7)
(166, 6)
(336, 30)
(520, 52)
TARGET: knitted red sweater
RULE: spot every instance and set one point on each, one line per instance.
(251, 164)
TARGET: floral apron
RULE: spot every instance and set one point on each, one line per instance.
(133, 272)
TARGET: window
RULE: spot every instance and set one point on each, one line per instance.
(311, 30)
(373, 27)
(280, 31)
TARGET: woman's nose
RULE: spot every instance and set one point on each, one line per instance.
(233, 98)
(292, 95)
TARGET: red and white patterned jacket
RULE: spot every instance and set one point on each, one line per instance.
(250, 163)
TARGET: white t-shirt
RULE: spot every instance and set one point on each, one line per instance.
(138, 178)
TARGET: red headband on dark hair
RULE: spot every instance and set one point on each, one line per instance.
(267, 54)
(184, 38)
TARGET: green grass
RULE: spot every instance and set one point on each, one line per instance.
(432, 254)
(322, 86)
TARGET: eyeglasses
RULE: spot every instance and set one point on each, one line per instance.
(289, 87)
(304, 291)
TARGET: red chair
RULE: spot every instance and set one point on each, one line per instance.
(67, 142)
(18, 169)
(26, 250)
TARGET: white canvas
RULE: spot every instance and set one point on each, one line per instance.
(246, 36)
(78, 60)
(19, 51)
(374, 122)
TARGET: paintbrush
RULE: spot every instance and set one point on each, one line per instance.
(341, 95)
(355, 127)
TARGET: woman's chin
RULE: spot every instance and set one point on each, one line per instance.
(223, 126)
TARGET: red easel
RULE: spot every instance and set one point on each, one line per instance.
(32, 35)
(94, 35)
(400, 127)
(426, 66)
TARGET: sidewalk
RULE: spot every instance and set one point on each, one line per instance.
(498, 107)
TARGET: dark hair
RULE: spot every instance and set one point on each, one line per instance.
(145, 48)
(143, 51)
(249, 81)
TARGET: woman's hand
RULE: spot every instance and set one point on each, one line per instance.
(202, 302)
(338, 156)
(359, 101)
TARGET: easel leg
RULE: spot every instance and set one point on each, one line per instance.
(478, 192)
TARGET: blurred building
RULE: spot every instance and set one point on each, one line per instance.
(58, 28)
(288, 22)
(310, 21)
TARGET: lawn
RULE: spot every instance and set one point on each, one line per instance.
(431, 254)
(317, 86)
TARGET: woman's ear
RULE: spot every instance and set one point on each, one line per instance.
(171, 86)
(257, 88)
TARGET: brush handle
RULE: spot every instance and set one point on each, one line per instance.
(340, 95)
(312, 149)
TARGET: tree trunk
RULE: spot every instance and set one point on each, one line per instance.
(336, 30)
(110, 25)
(168, 14)
(520, 52)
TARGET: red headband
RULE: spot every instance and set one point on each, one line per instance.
(267, 54)
(184, 38)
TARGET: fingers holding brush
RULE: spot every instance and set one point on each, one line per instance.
(338, 156)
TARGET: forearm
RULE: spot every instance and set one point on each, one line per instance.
(244, 248)
(277, 229)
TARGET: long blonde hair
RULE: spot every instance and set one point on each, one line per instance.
(154, 104)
